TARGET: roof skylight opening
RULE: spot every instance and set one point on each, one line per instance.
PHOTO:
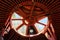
(16, 16)
(39, 27)
(16, 23)
(44, 20)
(22, 30)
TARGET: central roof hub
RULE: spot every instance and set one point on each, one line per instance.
(31, 19)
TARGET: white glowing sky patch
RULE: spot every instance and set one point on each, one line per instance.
(39, 27)
(16, 16)
(22, 30)
(16, 23)
(44, 20)
(31, 30)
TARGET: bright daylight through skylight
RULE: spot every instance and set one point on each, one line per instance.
(22, 30)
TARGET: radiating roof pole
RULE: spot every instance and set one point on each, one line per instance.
(33, 2)
(52, 30)
(7, 24)
(51, 34)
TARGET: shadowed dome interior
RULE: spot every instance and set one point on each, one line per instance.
(33, 14)
(6, 7)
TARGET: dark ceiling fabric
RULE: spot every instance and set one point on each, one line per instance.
(53, 5)
(7, 5)
(56, 24)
